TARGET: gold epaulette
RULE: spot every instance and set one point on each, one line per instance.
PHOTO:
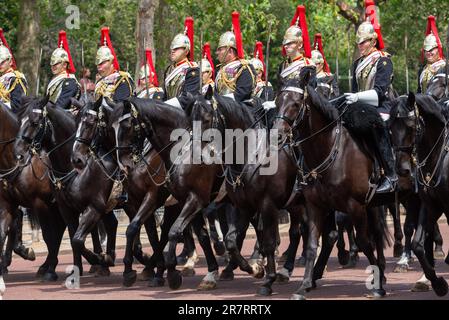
(384, 54)
(20, 78)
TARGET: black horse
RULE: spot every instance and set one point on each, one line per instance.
(432, 178)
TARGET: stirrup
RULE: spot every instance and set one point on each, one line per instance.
(388, 185)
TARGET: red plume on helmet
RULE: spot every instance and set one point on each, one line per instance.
(152, 76)
(370, 13)
(105, 40)
(258, 53)
(208, 57)
(62, 43)
(5, 43)
(189, 32)
(238, 34)
(432, 29)
(318, 45)
(299, 19)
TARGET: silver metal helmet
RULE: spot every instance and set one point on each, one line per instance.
(103, 54)
(180, 41)
(430, 42)
(58, 56)
(227, 39)
(292, 34)
(4, 53)
(317, 57)
(365, 32)
(257, 64)
(205, 66)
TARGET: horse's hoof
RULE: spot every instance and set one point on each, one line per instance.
(282, 279)
(352, 263)
(376, 294)
(226, 276)
(129, 278)
(301, 261)
(401, 268)
(258, 271)
(438, 254)
(420, 287)
(108, 260)
(188, 272)
(146, 274)
(282, 258)
(314, 284)
(102, 272)
(343, 257)
(29, 254)
(94, 268)
(207, 285)
(447, 259)
(174, 279)
(50, 276)
(265, 291)
(5, 271)
(440, 286)
(398, 248)
(180, 260)
(156, 282)
(297, 296)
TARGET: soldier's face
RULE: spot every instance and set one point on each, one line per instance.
(58, 68)
(105, 68)
(292, 49)
(319, 67)
(206, 76)
(5, 65)
(178, 54)
(432, 55)
(365, 47)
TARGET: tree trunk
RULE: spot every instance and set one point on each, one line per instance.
(28, 39)
(145, 31)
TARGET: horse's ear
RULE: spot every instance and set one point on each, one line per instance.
(209, 93)
(411, 99)
(44, 100)
(116, 112)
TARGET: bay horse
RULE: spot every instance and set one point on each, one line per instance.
(145, 191)
(191, 184)
(334, 182)
(27, 185)
(52, 129)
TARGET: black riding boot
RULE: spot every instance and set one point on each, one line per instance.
(386, 158)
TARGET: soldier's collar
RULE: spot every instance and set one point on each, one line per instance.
(298, 58)
(185, 60)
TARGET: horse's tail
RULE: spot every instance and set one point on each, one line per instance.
(377, 226)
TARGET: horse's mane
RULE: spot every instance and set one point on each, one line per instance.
(156, 108)
(322, 104)
(63, 115)
(229, 106)
(431, 107)
(8, 111)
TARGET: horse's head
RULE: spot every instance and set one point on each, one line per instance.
(437, 87)
(130, 131)
(404, 124)
(291, 103)
(35, 128)
(204, 110)
(92, 127)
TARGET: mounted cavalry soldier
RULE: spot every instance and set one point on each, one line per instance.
(13, 84)
(263, 89)
(296, 48)
(149, 88)
(183, 75)
(236, 78)
(113, 84)
(63, 86)
(207, 70)
(435, 62)
(372, 75)
(324, 78)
